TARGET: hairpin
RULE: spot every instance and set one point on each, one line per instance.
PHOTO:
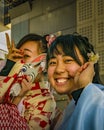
(51, 38)
(93, 57)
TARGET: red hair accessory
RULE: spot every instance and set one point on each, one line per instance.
(50, 38)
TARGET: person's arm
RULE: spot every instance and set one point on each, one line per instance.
(7, 68)
(17, 100)
(13, 56)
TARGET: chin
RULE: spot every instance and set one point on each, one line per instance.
(61, 92)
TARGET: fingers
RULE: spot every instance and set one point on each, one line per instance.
(15, 55)
(84, 75)
(15, 50)
(27, 85)
(89, 66)
(13, 44)
(10, 45)
(8, 41)
(28, 78)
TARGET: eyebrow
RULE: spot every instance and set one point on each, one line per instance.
(54, 56)
(27, 50)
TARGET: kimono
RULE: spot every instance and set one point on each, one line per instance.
(37, 107)
(88, 113)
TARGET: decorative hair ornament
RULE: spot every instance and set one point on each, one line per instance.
(51, 37)
(93, 57)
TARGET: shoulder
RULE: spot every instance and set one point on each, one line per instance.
(92, 94)
(91, 88)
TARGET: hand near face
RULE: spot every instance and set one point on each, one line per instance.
(13, 54)
(26, 86)
(84, 75)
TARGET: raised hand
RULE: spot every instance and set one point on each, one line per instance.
(14, 54)
(85, 75)
(26, 85)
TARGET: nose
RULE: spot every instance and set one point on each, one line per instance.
(60, 68)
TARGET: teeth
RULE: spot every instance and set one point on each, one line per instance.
(61, 80)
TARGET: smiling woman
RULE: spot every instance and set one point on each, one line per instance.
(73, 70)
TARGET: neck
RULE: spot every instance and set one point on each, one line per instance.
(76, 94)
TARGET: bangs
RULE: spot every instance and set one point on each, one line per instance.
(65, 45)
(61, 48)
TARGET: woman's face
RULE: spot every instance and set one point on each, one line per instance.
(61, 72)
(30, 51)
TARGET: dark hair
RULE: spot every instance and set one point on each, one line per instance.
(33, 37)
(68, 43)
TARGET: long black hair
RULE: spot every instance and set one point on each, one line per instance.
(68, 43)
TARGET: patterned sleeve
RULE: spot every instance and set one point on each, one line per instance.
(40, 108)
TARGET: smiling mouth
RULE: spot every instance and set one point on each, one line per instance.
(61, 80)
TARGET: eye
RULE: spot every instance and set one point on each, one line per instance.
(51, 63)
(26, 56)
(68, 60)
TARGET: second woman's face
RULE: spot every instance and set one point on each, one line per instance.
(61, 72)
(30, 50)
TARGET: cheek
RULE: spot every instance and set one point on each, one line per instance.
(73, 69)
(50, 72)
(27, 60)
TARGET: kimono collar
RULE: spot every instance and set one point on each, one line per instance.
(76, 94)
